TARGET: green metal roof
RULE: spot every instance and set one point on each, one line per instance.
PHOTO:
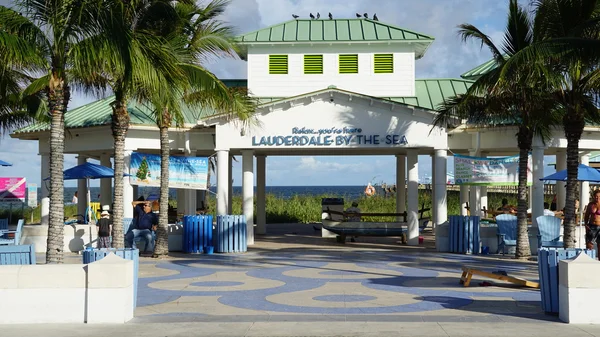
(344, 30)
(99, 113)
(430, 93)
(475, 73)
(337, 30)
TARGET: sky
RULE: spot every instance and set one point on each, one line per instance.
(448, 57)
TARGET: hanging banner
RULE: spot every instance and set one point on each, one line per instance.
(184, 172)
(489, 171)
(12, 190)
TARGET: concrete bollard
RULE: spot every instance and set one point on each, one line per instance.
(578, 290)
(110, 290)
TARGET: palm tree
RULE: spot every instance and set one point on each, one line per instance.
(16, 109)
(136, 62)
(569, 38)
(204, 36)
(53, 30)
(491, 102)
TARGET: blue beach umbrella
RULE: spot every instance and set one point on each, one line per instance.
(88, 171)
(584, 173)
(3, 163)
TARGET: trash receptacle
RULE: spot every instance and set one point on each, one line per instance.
(332, 204)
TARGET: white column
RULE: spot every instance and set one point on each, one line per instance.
(439, 180)
(433, 203)
(584, 199)
(561, 190)
(261, 182)
(483, 190)
(190, 195)
(127, 188)
(537, 191)
(45, 193)
(248, 192)
(222, 181)
(230, 186)
(475, 197)
(400, 183)
(81, 189)
(484, 197)
(106, 184)
(464, 199)
(413, 196)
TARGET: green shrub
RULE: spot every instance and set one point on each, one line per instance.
(306, 208)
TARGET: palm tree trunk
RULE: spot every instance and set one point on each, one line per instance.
(573, 130)
(58, 97)
(162, 233)
(119, 126)
(524, 139)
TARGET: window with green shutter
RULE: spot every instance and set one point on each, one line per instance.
(278, 64)
(348, 64)
(313, 64)
(384, 63)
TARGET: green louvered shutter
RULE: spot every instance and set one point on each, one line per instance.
(278, 64)
(313, 64)
(384, 63)
(349, 64)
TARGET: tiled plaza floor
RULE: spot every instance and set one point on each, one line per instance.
(294, 275)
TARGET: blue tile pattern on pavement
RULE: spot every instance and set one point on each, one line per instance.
(388, 272)
(344, 298)
(217, 284)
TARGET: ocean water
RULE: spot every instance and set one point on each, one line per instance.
(348, 192)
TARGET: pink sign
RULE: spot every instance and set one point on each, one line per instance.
(12, 189)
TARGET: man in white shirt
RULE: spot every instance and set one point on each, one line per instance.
(547, 210)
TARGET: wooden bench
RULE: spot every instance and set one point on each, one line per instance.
(17, 255)
(468, 273)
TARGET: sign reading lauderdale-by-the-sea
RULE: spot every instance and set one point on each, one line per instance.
(344, 136)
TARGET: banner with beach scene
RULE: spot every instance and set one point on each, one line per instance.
(184, 172)
(484, 171)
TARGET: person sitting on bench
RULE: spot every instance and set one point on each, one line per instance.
(353, 212)
(146, 222)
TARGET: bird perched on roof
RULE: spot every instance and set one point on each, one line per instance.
(295, 16)
(312, 16)
(357, 15)
(375, 17)
(318, 15)
(366, 16)
(330, 16)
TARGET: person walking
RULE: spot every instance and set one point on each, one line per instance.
(104, 227)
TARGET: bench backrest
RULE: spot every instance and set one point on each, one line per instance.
(19, 231)
(549, 227)
(4, 224)
(507, 225)
(127, 225)
(17, 255)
